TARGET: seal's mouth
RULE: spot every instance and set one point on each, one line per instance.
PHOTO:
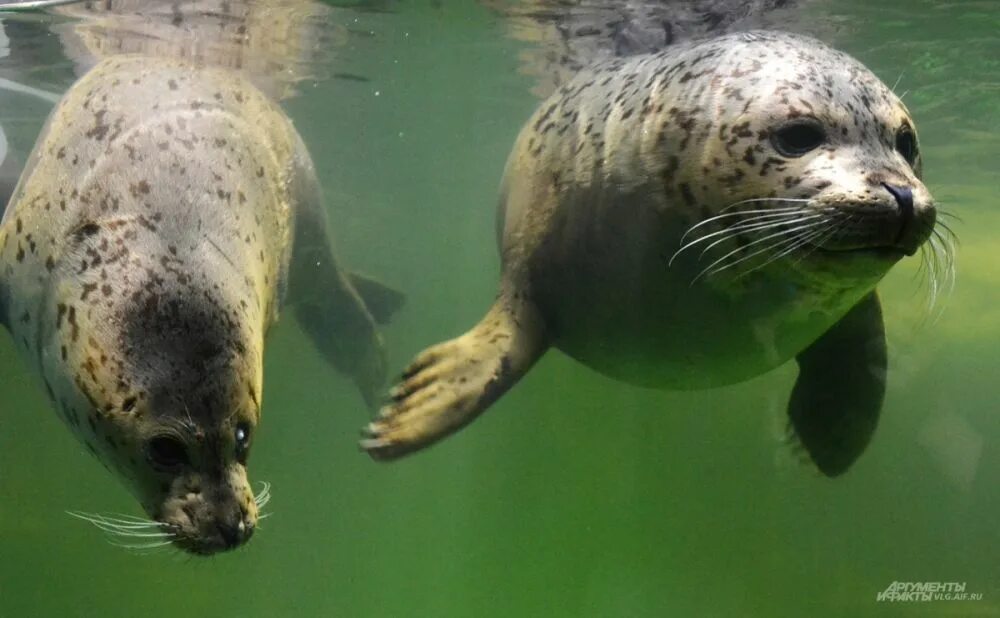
(224, 538)
(881, 238)
(204, 523)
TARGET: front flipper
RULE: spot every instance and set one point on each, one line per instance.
(450, 384)
(337, 310)
(338, 322)
(837, 398)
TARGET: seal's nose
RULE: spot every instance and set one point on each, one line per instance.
(234, 530)
(234, 535)
(904, 198)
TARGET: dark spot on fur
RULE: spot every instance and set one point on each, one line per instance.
(686, 193)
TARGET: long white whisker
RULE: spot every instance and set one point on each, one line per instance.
(898, 79)
(762, 227)
(777, 245)
(783, 246)
(140, 546)
(102, 520)
(798, 241)
(129, 533)
(145, 535)
(755, 224)
(743, 213)
(128, 518)
(836, 227)
(945, 270)
(786, 232)
(754, 200)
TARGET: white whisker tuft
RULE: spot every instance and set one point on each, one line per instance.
(128, 527)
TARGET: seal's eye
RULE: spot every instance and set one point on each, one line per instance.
(167, 453)
(242, 442)
(906, 144)
(796, 139)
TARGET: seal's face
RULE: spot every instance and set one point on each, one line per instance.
(183, 453)
(821, 157)
(162, 385)
(202, 496)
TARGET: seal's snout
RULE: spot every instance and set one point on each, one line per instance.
(235, 530)
(904, 198)
(209, 515)
(914, 224)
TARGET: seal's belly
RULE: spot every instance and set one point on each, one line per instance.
(695, 339)
(627, 312)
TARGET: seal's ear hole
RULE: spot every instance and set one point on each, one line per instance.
(906, 144)
(167, 453)
(796, 139)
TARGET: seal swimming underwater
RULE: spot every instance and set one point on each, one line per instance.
(787, 174)
(164, 212)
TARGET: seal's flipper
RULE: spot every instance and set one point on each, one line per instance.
(837, 398)
(382, 301)
(327, 305)
(344, 333)
(449, 384)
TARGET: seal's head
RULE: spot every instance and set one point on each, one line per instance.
(160, 375)
(807, 156)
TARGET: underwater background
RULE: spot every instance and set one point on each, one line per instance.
(574, 495)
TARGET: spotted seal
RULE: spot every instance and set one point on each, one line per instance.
(168, 212)
(788, 176)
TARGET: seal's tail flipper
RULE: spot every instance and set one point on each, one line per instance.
(837, 398)
(450, 384)
(382, 301)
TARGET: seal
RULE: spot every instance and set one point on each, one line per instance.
(787, 175)
(167, 214)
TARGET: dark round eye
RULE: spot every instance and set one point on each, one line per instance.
(796, 139)
(242, 436)
(167, 453)
(906, 144)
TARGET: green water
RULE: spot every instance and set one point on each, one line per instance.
(574, 495)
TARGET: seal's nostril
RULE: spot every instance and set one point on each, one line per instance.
(231, 535)
(903, 195)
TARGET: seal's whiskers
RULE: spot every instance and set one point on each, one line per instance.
(939, 271)
(125, 526)
(755, 200)
(782, 247)
(753, 224)
(742, 213)
(835, 227)
(758, 228)
(721, 264)
(796, 242)
(262, 498)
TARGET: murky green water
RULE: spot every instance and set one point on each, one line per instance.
(574, 495)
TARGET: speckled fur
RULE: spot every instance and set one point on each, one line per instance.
(602, 184)
(146, 252)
